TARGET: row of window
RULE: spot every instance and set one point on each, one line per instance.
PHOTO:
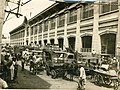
(18, 35)
(87, 11)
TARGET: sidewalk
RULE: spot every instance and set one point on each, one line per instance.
(26, 80)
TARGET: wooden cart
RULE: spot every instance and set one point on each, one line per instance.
(106, 78)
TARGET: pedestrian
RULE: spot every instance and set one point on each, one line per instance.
(31, 63)
(6, 67)
(15, 67)
(72, 69)
(26, 56)
(82, 78)
(93, 53)
(3, 84)
(22, 62)
(12, 71)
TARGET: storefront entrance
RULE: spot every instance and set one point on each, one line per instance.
(52, 41)
(60, 42)
(26, 42)
(86, 43)
(71, 42)
(45, 42)
(108, 43)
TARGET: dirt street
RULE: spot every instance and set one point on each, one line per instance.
(26, 80)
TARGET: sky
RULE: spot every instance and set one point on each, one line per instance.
(29, 10)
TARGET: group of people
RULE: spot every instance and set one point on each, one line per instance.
(29, 58)
(9, 66)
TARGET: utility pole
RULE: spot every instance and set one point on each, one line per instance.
(2, 15)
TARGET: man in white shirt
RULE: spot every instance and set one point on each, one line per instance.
(82, 78)
(3, 84)
(82, 73)
(93, 53)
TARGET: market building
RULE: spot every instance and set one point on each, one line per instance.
(79, 26)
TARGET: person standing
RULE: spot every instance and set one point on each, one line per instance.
(93, 53)
(22, 62)
(12, 70)
(15, 67)
(71, 71)
(31, 63)
(82, 78)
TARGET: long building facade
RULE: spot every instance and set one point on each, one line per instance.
(81, 27)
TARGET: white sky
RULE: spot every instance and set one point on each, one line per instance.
(35, 6)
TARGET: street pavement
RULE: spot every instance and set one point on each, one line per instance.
(62, 84)
(27, 80)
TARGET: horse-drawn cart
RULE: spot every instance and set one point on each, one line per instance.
(36, 64)
(109, 78)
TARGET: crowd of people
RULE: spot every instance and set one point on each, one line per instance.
(9, 66)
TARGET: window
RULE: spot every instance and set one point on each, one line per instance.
(88, 11)
(22, 34)
(72, 16)
(35, 28)
(52, 23)
(61, 20)
(46, 26)
(70, 57)
(27, 32)
(40, 28)
(109, 7)
(31, 30)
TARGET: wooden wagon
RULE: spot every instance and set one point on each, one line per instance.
(106, 78)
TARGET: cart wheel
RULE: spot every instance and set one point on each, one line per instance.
(53, 74)
(100, 80)
(107, 81)
(95, 79)
(116, 84)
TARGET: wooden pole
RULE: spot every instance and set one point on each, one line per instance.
(2, 15)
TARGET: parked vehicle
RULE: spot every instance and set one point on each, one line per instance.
(105, 75)
(57, 61)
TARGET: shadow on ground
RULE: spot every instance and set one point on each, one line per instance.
(26, 80)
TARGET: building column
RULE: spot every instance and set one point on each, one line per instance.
(56, 40)
(42, 41)
(78, 44)
(25, 34)
(118, 32)
(29, 30)
(96, 43)
(65, 33)
(48, 38)
(33, 35)
(37, 33)
(2, 15)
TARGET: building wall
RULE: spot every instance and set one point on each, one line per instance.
(75, 21)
